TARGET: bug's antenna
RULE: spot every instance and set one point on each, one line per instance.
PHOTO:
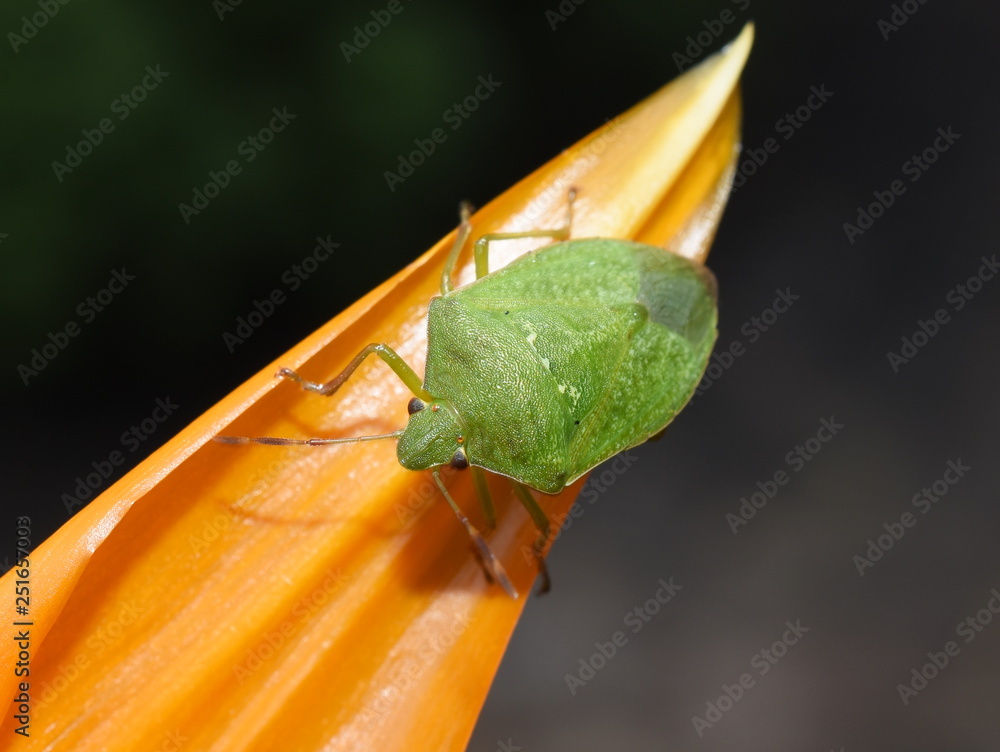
(488, 559)
(273, 441)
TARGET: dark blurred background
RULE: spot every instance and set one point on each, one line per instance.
(892, 75)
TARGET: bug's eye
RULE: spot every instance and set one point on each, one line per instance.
(459, 461)
(415, 405)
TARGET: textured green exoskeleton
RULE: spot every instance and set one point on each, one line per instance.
(546, 368)
(561, 360)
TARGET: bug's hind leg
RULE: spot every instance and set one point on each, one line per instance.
(464, 228)
(481, 248)
(541, 521)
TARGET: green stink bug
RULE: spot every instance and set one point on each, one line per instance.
(546, 368)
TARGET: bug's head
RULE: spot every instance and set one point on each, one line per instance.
(432, 437)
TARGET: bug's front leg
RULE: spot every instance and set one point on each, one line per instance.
(406, 374)
(386, 353)
(491, 564)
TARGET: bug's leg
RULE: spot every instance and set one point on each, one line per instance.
(489, 561)
(485, 499)
(462, 235)
(386, 353)
(541, 521)
(481, 248)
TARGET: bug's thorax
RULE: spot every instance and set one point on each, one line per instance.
(434, 436)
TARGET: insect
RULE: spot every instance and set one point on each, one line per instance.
(543, 369)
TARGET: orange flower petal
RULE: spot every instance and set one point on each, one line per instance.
(255, 597)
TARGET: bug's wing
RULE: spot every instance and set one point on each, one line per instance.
(664, 360)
